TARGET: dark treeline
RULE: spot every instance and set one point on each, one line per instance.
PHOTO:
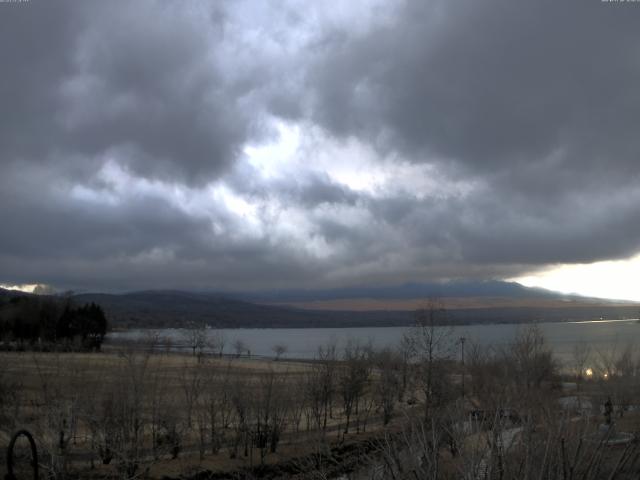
(29, 320)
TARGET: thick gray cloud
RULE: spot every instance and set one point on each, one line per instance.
(142, 82)
(434, 140)
(489, 85)
(538, 100)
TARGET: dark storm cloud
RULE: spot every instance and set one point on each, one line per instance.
(33, 46)
(153, 87)
(490, 85)
(39, 219)
(505, 134)
(141, 239)
(538, 100)
(140, 81)
(496, 232)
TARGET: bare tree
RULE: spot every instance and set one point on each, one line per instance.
(241, 401)
(625, 364)
(117, 420)
(325, 365)
(216, 342)
(316, 398)
(100, 419)
(60, 383)
(432, 343)
(405, 352)
(487, 375)
(580, 360)
(279, 350)
(151, 341)
(414, 453)
(191, 382)
(218, 406)
(530, 359)
(160, 404)
(270, 409)
(195, 338)
(558, 448)
(389, 381)
(622, 385)
(167, 344)
(298, 400)
(11, 392)
(606, 361)
(353, 376)
(130, 401)
(239, 347)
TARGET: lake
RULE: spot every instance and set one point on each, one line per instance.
(603, 335)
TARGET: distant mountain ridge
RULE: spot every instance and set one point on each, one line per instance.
(180, 309)
(177, 308)
(443, 290)
(174, 308)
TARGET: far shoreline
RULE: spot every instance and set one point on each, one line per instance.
(123, 329)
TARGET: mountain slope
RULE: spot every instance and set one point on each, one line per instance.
(174, 308)
(160, 309)
(409, 291)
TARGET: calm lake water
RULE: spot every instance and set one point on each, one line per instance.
(603, 335)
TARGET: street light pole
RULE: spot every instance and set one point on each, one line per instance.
(462, 340)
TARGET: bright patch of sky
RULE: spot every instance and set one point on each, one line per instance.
(616, 279)
(29, 288)
(299, 148)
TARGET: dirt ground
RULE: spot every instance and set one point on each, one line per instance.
(39, 378)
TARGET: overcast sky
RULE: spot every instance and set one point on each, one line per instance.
(250, 144)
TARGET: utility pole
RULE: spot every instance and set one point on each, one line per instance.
(462, 340)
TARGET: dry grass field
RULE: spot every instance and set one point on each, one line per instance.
(143, 413)
(170, 414)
